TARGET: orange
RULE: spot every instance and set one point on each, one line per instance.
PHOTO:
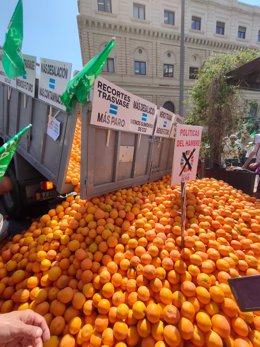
(157, 330)
(240, 327)
(120, 331)
(86, 332)
(108, 337)
(122, 311)
(67, 341)
(220, 325)
(54, 273)
(203, 295)
(213, 339)
(165, 295)
(101, 323)
(153, 312)
(144, 327)
(188, 288)
(188, 310)
(57, 325)
(185, 327)
(172, 335)
(78, 301)
(203, 321)
(229, 307)
(198, 337)
(75, 325)
(239, 342)
(139, 310)
(65, 295)
(217, 294)
(171, 314)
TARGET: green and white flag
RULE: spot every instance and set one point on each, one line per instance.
(12, 59)
(78, 88)
(8, 149)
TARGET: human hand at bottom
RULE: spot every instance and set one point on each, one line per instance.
(23, 329)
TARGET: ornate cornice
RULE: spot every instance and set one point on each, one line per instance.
(135, 30)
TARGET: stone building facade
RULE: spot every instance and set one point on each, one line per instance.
(146, 59)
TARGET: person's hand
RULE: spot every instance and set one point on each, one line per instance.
(23, 329)
(5, 185)
(253, 166)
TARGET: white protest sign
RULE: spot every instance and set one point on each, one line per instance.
(142, 117)
(186, 153)
(115, 108)
(53, 129)
(177, 119)
(54, 77)
(3, 77)
(26, 83)
(164, 122)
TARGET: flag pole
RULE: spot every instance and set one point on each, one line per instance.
(183, 212)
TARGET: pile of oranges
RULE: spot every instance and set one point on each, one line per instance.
(73, 172)
(110, 271)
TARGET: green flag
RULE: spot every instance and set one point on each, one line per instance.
(78, 88)
(12, 59)
(8, 149)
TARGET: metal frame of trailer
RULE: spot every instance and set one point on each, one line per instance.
(110, 159)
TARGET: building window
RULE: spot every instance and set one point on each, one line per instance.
(168, 70)
(140, 67)
(109, 65)
(104, 6)
(193, 74)
(195, 23)
(139, 11)
(220, 28)
(258, 36)
(241, 34)
(169, 17)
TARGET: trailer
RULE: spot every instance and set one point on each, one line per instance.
(110, 159)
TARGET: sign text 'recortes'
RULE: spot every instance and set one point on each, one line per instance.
(53, 70)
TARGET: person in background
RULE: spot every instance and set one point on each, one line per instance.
(231, 151)
(256, 165)
(20, 328)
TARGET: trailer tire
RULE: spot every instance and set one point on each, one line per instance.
(12, 201)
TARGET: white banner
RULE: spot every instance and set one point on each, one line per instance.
(164, 122)
(115, 108)
(186, 153)
(53, 80)
(26, 84)
(3, 77)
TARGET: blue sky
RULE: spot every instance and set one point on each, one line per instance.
(50, 28)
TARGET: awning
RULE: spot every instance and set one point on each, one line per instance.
(246, 76)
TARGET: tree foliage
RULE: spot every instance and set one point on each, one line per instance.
(216, 104)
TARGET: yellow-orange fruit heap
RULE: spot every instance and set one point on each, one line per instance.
(110, 271)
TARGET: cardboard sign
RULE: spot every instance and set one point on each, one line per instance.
(115, 108)
(186, 153)
(26, 84)
(54, 77)
(3, 77)
(164, 122)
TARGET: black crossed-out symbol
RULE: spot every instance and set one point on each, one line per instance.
(187, 161)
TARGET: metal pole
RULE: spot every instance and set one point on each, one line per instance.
(183, 212)
(182, 58)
